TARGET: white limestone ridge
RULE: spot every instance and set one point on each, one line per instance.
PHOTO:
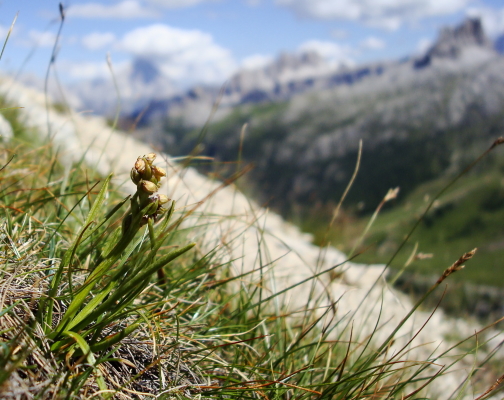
(240, 227)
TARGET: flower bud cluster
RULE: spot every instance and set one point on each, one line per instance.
(148, 177)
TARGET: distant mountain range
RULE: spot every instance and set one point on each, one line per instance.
(145, 91)
(421, 119)
(499, 44)
(138, 84)
(298, 73)
(307, 117)
(418, 117)
(283, 78)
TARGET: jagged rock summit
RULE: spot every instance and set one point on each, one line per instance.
(453, 42)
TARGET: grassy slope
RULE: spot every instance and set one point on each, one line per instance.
(470, 215)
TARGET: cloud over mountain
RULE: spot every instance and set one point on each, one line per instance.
(180, 54)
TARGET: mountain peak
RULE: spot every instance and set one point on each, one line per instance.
(452, 41)
(292, 61)
(144, 70)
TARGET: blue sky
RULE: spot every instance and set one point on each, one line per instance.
(206, 40)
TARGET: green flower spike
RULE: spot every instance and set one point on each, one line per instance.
(145, 203)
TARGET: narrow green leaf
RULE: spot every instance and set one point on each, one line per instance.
(140, 281)
(47, 304)
(93, 303)
(111, 340)
(109, 215)
(6, 310)
(87, 315)
(152, 235)
(98, 203)
(55, 283)
(89, 356)
(81, 295)
(111, 242)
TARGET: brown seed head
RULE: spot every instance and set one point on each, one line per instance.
(391, 194)
(497, 142)
(457, 265)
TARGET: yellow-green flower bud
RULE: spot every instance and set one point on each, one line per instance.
(140, 165)
(135, 176)
(158, 172)
(143, 168)
(150, 158)
(147, 187)
(148, 172)
(163, 199)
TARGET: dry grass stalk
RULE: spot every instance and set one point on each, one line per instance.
(456, 266)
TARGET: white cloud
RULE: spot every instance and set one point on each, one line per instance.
(256, 61)
(388, 14)
(177, 3)
(331, 51)
(423, 45)
(42, 39)
(339, 34)
(493, 20)
(85, 70)
(387, 23)
(98, 40)
(372, 43)
(3, 32)
(182, 55)
(125, 9)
